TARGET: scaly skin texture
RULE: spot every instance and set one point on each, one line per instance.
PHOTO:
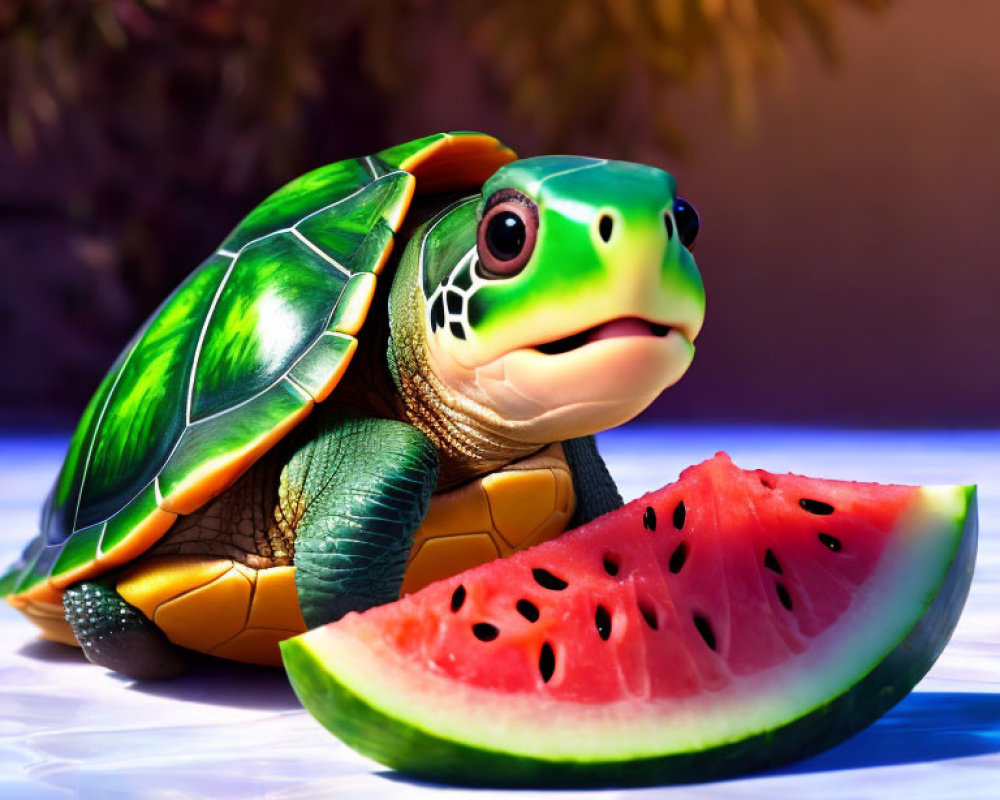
(463, 350)
(117, 635)
(596, 492)
(365, 485)
(495, 354)
(253, 522)
(239, 355)
(469, 440)
(525, 503)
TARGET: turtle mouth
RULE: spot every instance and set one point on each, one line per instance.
(613, 329)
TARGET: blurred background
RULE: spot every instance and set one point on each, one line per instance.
(844, 156)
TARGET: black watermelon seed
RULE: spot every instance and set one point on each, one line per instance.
(457, 598)
(603, 621)
(457, 330)
(705, 629)
(680, 514)
(816, 507)
(783, 595)
(649, 615)
(485, 632)
(610, 565)
(649, 518)
(678, 557)
(528, 610)
(832, 543)
(771, 562)
(546, 662)
(766, 483)
(547, 580)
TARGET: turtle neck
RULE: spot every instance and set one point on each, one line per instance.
(468, 441)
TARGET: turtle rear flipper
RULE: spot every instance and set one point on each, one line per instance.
(117, 635)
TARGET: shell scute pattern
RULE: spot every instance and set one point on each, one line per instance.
(199, 386)
(319, 188)
(198, 395)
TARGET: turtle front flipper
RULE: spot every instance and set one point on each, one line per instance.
(596, 491)
(354, 494)
(116, 635)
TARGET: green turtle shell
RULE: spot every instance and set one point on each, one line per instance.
(236, 357)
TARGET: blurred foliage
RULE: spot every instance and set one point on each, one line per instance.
(561, 65)
(161, 121)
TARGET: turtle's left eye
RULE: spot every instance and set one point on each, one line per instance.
(688, 221)
(507, 234)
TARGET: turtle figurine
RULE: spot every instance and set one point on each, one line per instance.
(288, 438)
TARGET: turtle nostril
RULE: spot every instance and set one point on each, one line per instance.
(605, 226)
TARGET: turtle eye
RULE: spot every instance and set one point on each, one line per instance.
(688, 222)
(507, 234)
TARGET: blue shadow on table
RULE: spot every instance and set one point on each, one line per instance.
(925, 726)
(225, 683)
(53, 652)
(207, 680)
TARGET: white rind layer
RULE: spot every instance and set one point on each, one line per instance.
(910, 572)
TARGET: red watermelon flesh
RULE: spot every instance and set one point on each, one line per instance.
(672, 633)
(688, 572)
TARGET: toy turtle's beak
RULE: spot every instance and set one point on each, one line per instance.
(612, 329)
(653, 284)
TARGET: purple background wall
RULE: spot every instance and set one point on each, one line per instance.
(849, 245)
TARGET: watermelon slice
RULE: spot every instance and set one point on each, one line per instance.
(730, 621)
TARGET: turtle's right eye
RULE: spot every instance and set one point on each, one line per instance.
(507, 234)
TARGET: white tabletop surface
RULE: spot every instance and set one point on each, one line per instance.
(69, 729)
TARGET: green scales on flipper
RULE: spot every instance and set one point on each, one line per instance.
(265, 329)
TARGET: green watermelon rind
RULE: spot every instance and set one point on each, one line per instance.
(345, 686)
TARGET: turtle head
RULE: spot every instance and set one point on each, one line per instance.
(564, 298)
